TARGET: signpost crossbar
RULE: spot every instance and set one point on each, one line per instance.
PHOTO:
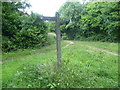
(49, 18)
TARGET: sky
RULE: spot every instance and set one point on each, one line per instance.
(46, 7)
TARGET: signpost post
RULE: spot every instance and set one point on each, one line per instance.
(58, 41)
(58, 36)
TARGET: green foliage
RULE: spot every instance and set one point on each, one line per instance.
(33, 32)
(50, 40)
(21, 30)
(71, 10)
(7, 45)
(98, 21)
(51, 26)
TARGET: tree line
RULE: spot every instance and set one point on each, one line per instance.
(98, 21)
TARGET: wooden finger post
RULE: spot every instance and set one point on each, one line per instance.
(58, 36)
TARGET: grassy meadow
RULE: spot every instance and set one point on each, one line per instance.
(82, 67)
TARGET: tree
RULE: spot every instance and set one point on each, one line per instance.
(10, 23)
(33, 32)
(71, 10)
(21, 30)
(100, 19)
(91, 21)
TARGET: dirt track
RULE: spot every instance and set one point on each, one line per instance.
(102, 50)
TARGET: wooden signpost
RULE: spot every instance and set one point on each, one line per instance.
(58, 36)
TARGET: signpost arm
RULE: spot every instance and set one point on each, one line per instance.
(58, 41)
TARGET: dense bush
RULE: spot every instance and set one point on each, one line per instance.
(33, 32)
(20, 30)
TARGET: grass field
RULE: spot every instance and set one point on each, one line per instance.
(82, 67)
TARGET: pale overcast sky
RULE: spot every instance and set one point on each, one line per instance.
(46, 7)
